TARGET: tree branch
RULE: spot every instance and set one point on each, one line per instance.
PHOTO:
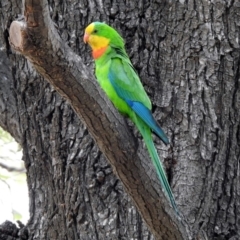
(37, 39)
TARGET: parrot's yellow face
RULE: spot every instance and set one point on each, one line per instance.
(93, 37)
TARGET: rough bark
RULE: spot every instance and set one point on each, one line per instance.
(187, 54)
(37, 39)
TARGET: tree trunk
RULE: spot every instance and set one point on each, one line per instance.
(187, 56)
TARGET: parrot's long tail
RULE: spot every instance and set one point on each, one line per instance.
(146, 133)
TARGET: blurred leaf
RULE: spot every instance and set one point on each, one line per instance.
(5, 136)
(9, 148)
(16, 215)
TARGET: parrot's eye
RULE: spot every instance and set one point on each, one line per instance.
(95, 31)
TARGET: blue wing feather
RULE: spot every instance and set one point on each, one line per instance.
(146, 115)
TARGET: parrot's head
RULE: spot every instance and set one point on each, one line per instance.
(99, 36)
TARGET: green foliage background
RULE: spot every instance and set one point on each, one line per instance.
(13, 186)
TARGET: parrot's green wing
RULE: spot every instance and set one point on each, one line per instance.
(127, 85)
(126, 82)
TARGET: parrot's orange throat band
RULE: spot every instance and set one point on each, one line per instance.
(99, 52)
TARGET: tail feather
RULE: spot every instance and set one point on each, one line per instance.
(160, 171)
(146, 133)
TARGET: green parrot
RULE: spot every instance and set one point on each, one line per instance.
(119, 80)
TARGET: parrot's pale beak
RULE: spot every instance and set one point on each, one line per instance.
(86, 37)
